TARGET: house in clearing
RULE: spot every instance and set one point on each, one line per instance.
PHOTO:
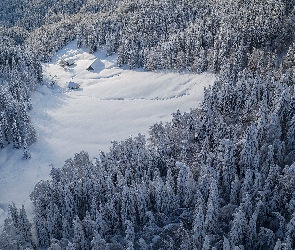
(66, 63)
(97, 65)
(73, 85)
(90, 68)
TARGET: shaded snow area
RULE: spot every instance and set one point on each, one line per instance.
(111, 103)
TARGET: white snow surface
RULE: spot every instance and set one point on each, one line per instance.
(112, 103)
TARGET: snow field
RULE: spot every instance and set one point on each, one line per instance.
(112, 103)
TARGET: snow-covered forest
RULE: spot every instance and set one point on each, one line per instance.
(221, 176)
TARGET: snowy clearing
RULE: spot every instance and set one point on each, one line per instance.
(112, 103)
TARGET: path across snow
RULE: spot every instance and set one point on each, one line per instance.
(111, 104)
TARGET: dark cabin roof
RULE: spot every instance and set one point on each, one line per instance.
(90, 68)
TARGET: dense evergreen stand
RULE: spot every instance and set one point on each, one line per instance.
(218, 177)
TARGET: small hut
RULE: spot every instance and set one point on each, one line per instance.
(66, 63)
(70, 62)
(73, 85)
(90, 68)
(62, 63)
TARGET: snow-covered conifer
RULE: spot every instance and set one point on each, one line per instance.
(1, 137)
(249, 158)
(278, 245)
(16, 136)
(234, 192)
(27, 153)
(238, 229)
(206, 244)
(54, 245)
(98, 243)
(79, 238)
(128, 205)
(24, 225)
(129, 234)
(290, 229)
(213, 206)
(170, 202)
(198, 226)
(226, 244)
(185, 185)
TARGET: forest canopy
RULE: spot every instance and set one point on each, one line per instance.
(218, 177)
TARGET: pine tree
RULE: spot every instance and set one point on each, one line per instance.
(169, 199)
(278, 245)
(27, 153)
(16, 136)
(287, 244)
(16, 232)
(266, 238)
(79, 238)
(142, 201)
(89, 227)
(129, 235)
(157, 188)
(249, 158)
(9, 238)
(54, 221)
(226, 244)
(1, 136)
(142, 244)
(229, 170)
(247, 185)
(24, 226)
(291, 135)
(185, 185)
(206, 244)
(234, 193)
(291, 230)
(238, 228)
(252, 230)
(198, 226)
(98, 243)
(5, 125)
(211, 219)
(71, 246)
(54, 245)
(200, 63)
(128, 205)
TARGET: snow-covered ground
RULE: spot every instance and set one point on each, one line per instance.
(112, 103)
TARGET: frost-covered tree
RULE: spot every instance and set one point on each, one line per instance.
(16, 232)
(79, 238)
(129, 235)
(198, 226)
(238, 229)
(98, 242)
(212, 214)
